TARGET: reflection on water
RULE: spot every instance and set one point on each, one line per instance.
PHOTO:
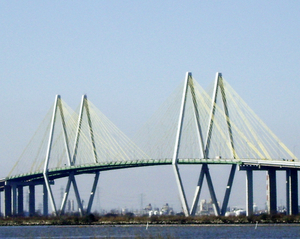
(202, 231)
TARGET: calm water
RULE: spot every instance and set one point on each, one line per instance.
(249, 231)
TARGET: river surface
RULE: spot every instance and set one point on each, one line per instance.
(202, 231)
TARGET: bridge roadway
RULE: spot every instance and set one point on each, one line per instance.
(92, 168)
(248, 165)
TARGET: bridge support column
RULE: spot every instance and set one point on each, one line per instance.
(31, 200)
(292, 191)
(45, 200)
(7, 200)
(249, 192)
(20, 199)
(272, 194)
(14, 200)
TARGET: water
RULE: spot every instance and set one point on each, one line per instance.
(202, 231)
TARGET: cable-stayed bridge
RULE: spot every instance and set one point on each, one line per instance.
(193, 126)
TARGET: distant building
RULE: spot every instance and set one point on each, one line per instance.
(70, 206)
(236, 211)
(255, 208)
(145, 211)
(154, 212)
(165, 210)
(124, 211)
(240, 212)
(148, 208)
(206, 208)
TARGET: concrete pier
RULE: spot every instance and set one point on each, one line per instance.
(45, 200)
(31, 200)
(7, 201)
(249, 192)
(292, 191)
(20, 200)
(271, 191)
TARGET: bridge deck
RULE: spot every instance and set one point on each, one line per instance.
(92, 168)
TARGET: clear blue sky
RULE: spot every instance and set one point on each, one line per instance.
(128, 56)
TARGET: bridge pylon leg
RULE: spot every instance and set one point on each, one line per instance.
(198, 190)
(228, 190)
(176, 148)
(272, 194)
(45, 172)
(65, 197)
(76, 191)
(292, 191)
(249, 192)
(89, 207)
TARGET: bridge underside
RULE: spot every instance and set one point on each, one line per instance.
(13, 187)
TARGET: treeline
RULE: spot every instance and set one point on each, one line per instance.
(130, 219)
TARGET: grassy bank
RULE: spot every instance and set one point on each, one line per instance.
(155, 220)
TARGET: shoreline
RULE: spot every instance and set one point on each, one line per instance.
(142, 221)
(157, 225)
